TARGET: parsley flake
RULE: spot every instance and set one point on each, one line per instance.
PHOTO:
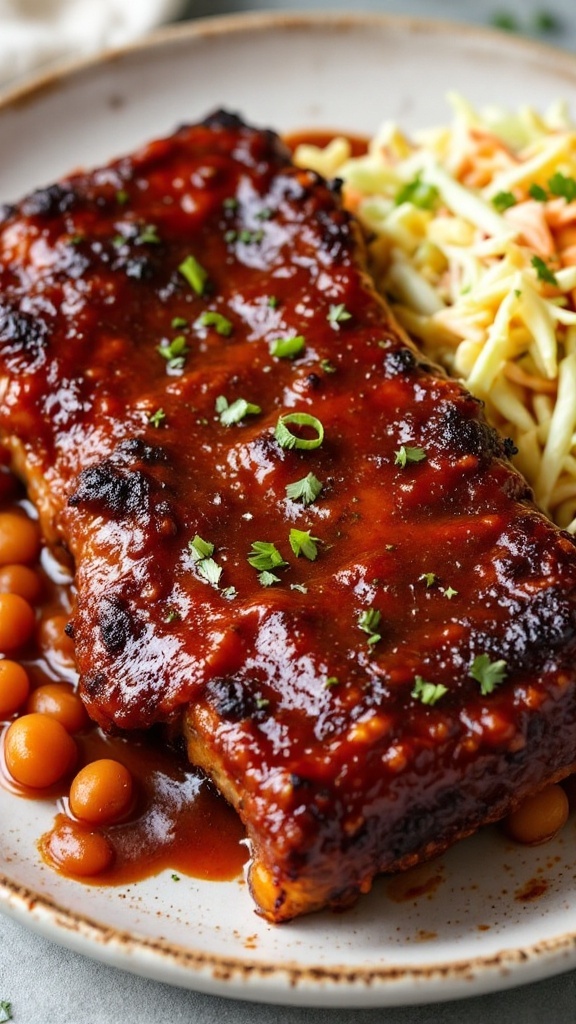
(286, 348)
(148, 235)
(419, 193)
(299, 587)
(157, 418)
(369, 621)
(265, 556)
(538, 193)
(406, 454)
(426, 692)
(206, 567)
(429, 578)
(504, 200)
(306, 490)
(303, 544)
(560, 185)
(488, 673)
(175, 877)
(178, 322)
(234, 413)
(449, 592)
(194, 273)
(221, 325)
(327, 366)
(267, 578)
(331, 681)
(174, 353)
(5, 1011)
(285, 437)
(338, 315)
(543, 271)
(122, 197)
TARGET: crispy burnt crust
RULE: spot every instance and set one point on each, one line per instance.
(112, 386)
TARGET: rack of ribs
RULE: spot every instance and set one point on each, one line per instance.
(294, 540)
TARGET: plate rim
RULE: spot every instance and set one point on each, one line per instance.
(234, 977)
(23, 92)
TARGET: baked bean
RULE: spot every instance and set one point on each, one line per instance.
(76, 850)
(59, 701)
(38, 751)
(19, 538)
(54, 641)
(101, 792)
(539, 817)
(21, 580)
(17, 622)
(14, 687)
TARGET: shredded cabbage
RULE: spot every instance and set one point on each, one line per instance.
(472, 237)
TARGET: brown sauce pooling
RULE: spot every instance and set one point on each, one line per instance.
(178, 822)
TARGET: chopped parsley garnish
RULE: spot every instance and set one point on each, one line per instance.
(206, 567)
(5, 1011)
(172, 615)
(285, 437)
(266, 213)
(504, 200)
(543, 271)
(305, 490)
(234, 413)
(178, 322)
(449, 592)
(544, 21)
(194, 273)
(506, 21)
(175, 877)
(267, 578)
(406, 454)
(428, 693)
(122, 196)
(327, 366)
(299, 587)
(418, 193)
(368, 622)
(157, 418)
(429, 578)
(262, 702)
(174, 353)
(231, 203)
(265, 556)
(286, 348)
(148, 235)
(230, 235)
(229, 593)
(560, 185)
(220, 324)
(273, 301)
(303, 544)
(331, 681)
(250, 237)
(488, 673)
(338, 315)
(538, 193)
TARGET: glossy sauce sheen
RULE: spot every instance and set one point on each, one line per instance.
(310, 725)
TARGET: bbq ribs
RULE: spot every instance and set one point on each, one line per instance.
(357, 616)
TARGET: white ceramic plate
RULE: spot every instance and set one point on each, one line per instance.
(486, 916)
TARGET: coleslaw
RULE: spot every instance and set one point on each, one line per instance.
(471, 233)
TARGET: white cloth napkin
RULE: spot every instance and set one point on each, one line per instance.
(35, 33)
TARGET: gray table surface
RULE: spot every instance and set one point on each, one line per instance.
(46, 983)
